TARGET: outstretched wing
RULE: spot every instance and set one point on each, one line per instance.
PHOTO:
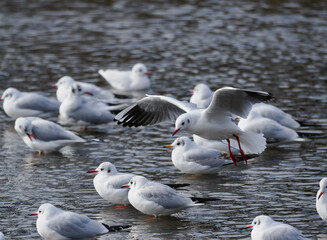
(235, 101)
(153, 109)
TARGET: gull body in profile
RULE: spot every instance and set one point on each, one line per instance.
(192, 158)
(27, 104)
(265, 228)
(321, 199)
(108, 182)
(156, 199)
(135, 80)
(56, 224)
(43, 135)
(216, 122)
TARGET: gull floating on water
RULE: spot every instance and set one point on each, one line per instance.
(192, 158)
(64, 85)
(265, 228)
(43, 135)
(26, 104)
(216, 122)
(321, 199)
(108, 182)
(134, 80)
(84, 111)
(153, 198)
(56, 224)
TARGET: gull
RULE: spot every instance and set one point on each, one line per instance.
(153, 198)
(108, 182)
(26, 104)
(192, 158)
(321, 199)
(85, 111)
(202, 96)
(216, 122)
(2, 237)
(265, 228)
(134, 80)
(64, 85)
(56, 224)
(271, 129)
(43, 135)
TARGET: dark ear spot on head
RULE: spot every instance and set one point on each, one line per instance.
(73, 90)
(188, 120)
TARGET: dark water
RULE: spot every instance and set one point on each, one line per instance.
(278, 46)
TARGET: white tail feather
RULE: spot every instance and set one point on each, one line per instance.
(251, 143)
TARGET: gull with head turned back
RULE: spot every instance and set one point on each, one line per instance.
(216, 122)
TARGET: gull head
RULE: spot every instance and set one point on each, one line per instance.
(181, 142)
(9, 93)
(46, 210)
(260, 222)
(182, 123)
(23, 127)
(322, 189)
(140, 69)
(202, 91)
(105, 168)
(65, 81)
(136, 182)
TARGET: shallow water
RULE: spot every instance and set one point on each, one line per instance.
(275, 46)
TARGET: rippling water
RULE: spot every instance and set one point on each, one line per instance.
(278, 46)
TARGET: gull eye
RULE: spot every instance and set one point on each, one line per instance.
(39, 211)
(101, 169)
(79, 89)
(131, 182)
(183, 123)
(178, 144)
(255, 223)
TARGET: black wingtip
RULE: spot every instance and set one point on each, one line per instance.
(177, 185)
(116, 228)
(203, 200)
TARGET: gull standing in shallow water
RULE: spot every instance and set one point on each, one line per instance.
(265, 228)
(56, 224)
(108, 182)
(43, 135)
(26, 104)
(216, 122)
(134, 80)
(153, 198)
(321, 199)
(191, 158)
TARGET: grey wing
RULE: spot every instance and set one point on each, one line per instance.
(236, 101)
(48, 131)
(283, 232)
(203, 157)
(152, 109)
(73, 225)
(165, 196)
(37, 102)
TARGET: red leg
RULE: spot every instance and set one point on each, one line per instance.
(230, 153)
(239, 146)
(120, 207)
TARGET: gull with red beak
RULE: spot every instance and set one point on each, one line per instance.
(44, 136)
(134, 80)
(265, 228)
(321, 199)
(216, 122)
(56, 224)
(27, 104)
(108, 182)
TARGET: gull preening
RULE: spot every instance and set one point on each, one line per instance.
(192, 158)
(108, 182)
(64, 84)
(216, 122)
(84, 111)
(44, 136)
(156, 199)
(56, 224)
(134, 80)
(265, 228)
(321, 199)
(26, 104)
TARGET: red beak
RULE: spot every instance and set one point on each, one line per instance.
(92, 171)
(191, 91)
(34, 214)
(320, 194)
(176, 130)
(125, 186)
(30, 136)
(148, 73)
(1, 99)
(249, 226)
(89, 93)
(54, 85)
